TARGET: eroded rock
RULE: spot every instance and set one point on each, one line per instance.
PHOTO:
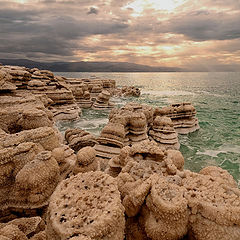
(86, 206)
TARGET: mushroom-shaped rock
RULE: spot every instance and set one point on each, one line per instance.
(167, 213)
(111, 141)
(182, 115)
(34, 118)
(102, 101)
(86, 161)
(66, 159)
(36, 181)
(78, 138)
(163, 132)
(89, 205)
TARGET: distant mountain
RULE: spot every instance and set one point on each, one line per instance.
(88, 66)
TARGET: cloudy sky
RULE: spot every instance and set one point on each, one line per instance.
(191, 34)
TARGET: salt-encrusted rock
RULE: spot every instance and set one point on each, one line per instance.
(214, 206)
(168, 161)
(80, 91)
(86, 161)
(221, 175)
(23, 171)
(77, 139)
(163, 132)
(45, 138)
(66, 112)
(111, 141)
(20, 76)
(22, 228)
(134, 230)
(166, 212)
(5, 83)
(66, 159)
(86, 206)
(28, 184)
(21, 112)
(37, 81)
(183, 116)
(165, 202)
(135, 119)
(10, 232)
(95, 87)
(36, 85)
(128, 91)
(102, 101)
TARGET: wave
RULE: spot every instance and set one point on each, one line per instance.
(167, 93)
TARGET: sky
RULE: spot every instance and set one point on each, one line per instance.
(189, 34)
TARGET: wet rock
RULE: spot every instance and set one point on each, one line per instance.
(183, 116)
(163, 132)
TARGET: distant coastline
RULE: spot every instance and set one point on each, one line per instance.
(88, 66)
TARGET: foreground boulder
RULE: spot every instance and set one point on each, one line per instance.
(86, 206)
(163, 201)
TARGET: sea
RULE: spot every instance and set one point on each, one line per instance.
(215, 95)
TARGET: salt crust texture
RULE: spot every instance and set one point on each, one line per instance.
(165, 202)
(86, 206)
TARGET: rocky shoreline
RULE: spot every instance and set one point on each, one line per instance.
(128, 183)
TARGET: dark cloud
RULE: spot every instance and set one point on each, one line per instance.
(93, 10)
(108, 30)
(36, 30)
(205, 25)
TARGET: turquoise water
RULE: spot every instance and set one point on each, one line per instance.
(216, 97)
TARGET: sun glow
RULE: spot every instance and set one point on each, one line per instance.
(165, 5)
(21, 1)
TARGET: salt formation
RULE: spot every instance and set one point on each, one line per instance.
(163, 201)
(135, 118)
(95, 87)
(65, 158)
(23, 229)
(86, 91)
(163, 132)
(5, 84)
(43, 82)
(86, 161)
(23, 112)
(77, 139)
(147, 152)
(27, 178)
(132, 124)
(128, 91)
(109, 85)
(102, 101)
(86, 206)
(160, 199)
(183, 116)
(80, 91)
(110, 142)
